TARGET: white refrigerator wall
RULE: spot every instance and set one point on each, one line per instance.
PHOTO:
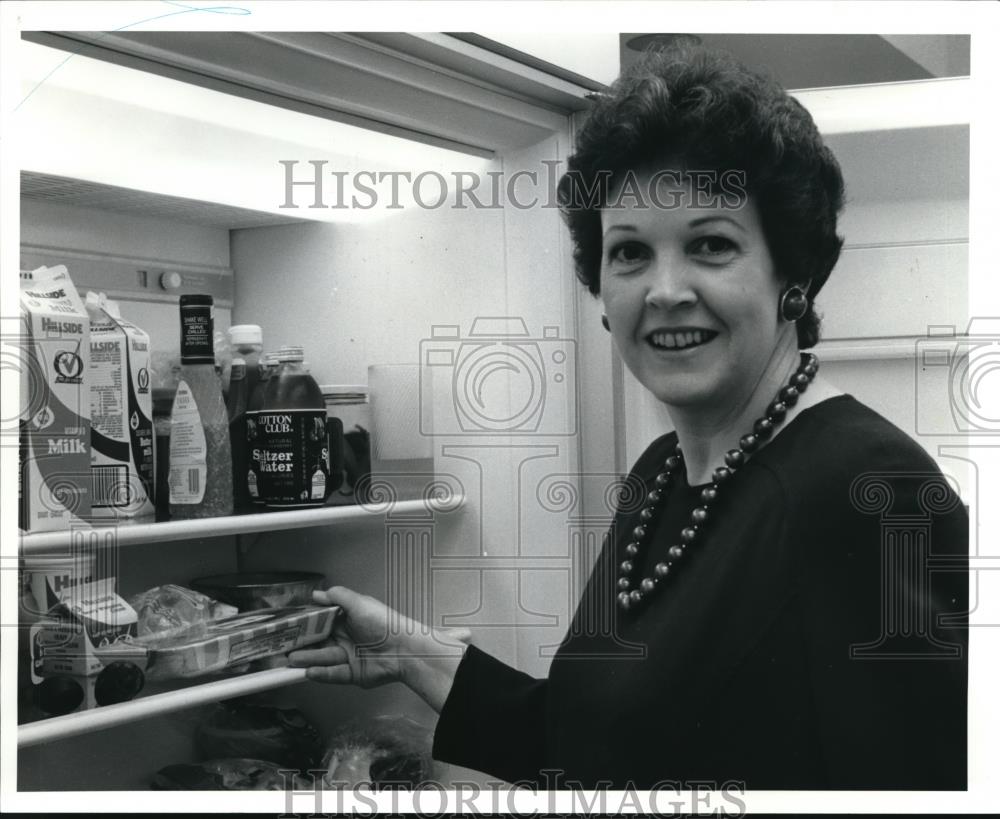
(89, 230)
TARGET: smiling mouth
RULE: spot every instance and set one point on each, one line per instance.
(682, 340)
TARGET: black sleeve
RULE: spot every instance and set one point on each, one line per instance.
(886, 635)
(493, 720)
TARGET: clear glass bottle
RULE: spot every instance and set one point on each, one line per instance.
(201, 479)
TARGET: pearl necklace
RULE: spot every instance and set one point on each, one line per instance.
(763, 428)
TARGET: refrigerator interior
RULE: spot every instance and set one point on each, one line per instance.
(354, 292)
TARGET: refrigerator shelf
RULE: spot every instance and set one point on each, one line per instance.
(129, 533)
(108, 716)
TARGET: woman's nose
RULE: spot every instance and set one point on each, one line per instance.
(668, 284)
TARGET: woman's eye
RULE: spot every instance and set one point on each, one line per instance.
(628, 254)
(712, 246)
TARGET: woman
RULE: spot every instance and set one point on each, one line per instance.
(749, 584)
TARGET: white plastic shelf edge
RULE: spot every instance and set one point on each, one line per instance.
(108, 716)
(127, 533)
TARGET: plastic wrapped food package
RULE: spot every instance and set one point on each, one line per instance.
(223, 644)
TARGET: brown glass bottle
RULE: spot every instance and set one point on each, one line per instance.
(288, 437)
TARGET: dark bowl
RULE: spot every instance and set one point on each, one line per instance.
(251, 591)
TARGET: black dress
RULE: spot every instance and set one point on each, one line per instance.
(814, 638)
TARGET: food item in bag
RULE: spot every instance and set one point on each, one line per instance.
(167, 611)
(387, 751)
(237, 728)
(222, 775)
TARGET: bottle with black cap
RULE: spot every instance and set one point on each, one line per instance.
(201, 479)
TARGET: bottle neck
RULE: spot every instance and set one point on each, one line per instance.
(250, 354)
(239, 369)
(291, 367)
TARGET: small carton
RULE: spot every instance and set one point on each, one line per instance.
(54, 451)
(50, 576)
(121, 414)
(88, 617)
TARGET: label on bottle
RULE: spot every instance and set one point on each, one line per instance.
(188, 452)
(288, 450)
(197, 344)
(318, 488)
(254, 447)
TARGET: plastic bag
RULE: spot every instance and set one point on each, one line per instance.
(168, 611)
(237, 728)
(223, 775)
(386, 751)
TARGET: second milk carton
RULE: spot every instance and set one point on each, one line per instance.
(121, 414)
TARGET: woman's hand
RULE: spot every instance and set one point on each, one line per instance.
(360, 649)
(372, 644)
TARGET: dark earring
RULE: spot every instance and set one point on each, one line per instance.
(604, 321)
(794, 303)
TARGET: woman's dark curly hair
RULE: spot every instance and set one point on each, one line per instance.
(705, 110)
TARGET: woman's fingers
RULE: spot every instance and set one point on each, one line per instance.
(327, 655)
(339, 596)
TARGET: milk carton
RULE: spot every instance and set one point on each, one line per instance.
(121, 413)
(54, 474)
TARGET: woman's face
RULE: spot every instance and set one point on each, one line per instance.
(691, 296)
